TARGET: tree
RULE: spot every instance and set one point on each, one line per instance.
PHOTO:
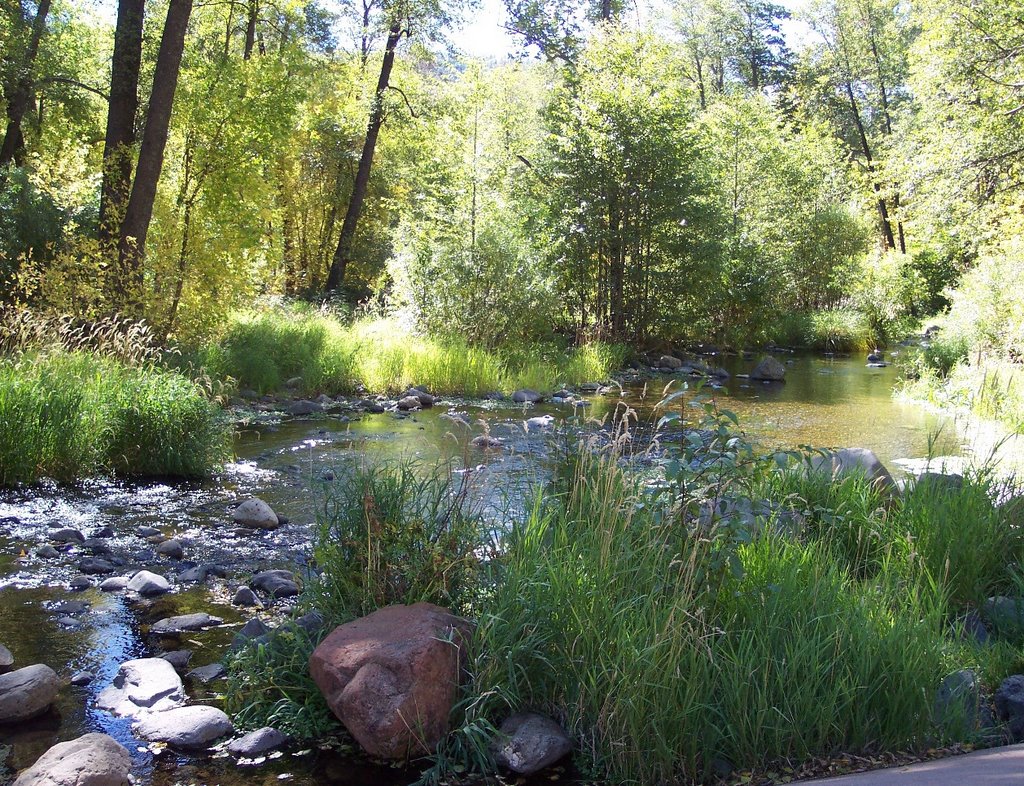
(123, 106)
(139, 209)
(19, 82)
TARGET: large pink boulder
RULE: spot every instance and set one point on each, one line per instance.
(393, 676)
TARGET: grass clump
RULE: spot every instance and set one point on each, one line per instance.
(828, 330)
(265, 349)
(70, 414)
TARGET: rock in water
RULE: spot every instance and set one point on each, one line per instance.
(276, 583)
(257, 742)
(667, 361)
(146, 583)
(195, 726)
(392, 677)
(769, 370)
(245, 597)
(185, 622)
(256, 514)
(170, 548)
(144, 684)
(530, 742)
(205, 674)
(407, 403)
(527, 397)
(851, 461)
(27, 692)
(91, 760)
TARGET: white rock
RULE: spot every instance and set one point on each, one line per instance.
(91, 760)
(195, 726)
(147, 583)
(143, 685)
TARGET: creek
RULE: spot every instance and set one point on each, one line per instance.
(825, 402)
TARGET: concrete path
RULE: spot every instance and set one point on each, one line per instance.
(992, 767)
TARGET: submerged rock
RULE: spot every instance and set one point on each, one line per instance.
(90, 760)
(142, 685)
(195, 726)
(185, 622)
(146, 583)
(27, 692)
(392, 677)
(256, 514)
(531, 742)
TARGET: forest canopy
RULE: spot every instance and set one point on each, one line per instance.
(695, 177)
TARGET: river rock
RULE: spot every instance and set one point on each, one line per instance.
(114, 584)
(67, 535)
(90, 760)
(408, 403)
(1005, 615)
(530, 742)
(392, 677)
(276, 583)
(670, 362)
(81, 678)
(148, 532)
(47, 552)
(769, 370)
(425, 399)
(6, 659)
(849, 461)
(539, 423)
(195, 575)
(27, 692)
(208, 673)
(146, 583)
(171, 548)
(185, 622)
(304, 407)
(253, 629)
(92, 565)
(178, 658)
(142, 685)
(258, 742)
(1010, 705)
(526, 396)
(486, 441)
(80, 583)
(958, 706)
(195, 726)
(246, 597)
(255, 514)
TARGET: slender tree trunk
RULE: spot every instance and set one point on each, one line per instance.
(343, 254)
(887, 117)
(122, 109)
(19, 93)
(139, 211)
(250, 29)
(888, 240)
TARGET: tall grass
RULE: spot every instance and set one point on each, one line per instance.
(66, 415)
(264, 350)
(827, 330)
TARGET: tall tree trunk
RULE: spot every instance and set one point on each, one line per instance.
(139, 212)
(343, 254)
(122, 109)
(887, 116)
(888, 240)
(19, 94)
(250, 29)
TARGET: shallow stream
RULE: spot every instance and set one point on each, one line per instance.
(825, 402)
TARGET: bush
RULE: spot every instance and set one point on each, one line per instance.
(67, 415)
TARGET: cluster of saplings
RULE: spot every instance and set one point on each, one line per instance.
(717, 611)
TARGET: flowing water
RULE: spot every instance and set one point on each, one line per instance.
(824, 403)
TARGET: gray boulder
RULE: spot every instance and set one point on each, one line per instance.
(668, 361)
(114, 584)
(530, 742)
(257, 742)
(178, 658)
(300, 408)
(408, 403)
(1005, 615)
(425, 399)
(67, 535)
(769, 370)
(91, 565)
(854, 461)
(6, 659)
(246, 597)
(185, 622)
(142, 685)
(146, 583)
(171, 548)
(27, 692)
(958, 708)
(276, 583)
(253, 629)
(209, 673)
(527, 397)
(1010, 705)
(195, 726)
(47, 552)
(255, 514)
(91, 760)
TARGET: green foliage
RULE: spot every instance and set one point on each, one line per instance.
(67, 415)
(398, 534)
